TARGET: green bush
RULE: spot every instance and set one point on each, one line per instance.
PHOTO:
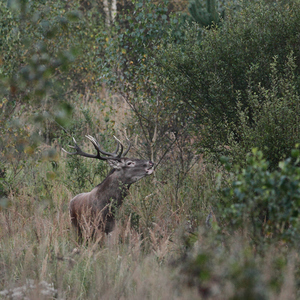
(34, 54)
(271, 121)
(202, 76)
(264, 204)
(45, 54)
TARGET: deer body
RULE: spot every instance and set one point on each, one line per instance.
(94, 211)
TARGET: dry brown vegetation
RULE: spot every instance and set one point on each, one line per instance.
(160, 248)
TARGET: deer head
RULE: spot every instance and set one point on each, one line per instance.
(128, 170)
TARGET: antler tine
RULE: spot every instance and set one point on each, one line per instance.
(129, 146)
(117, 148)
(94, 142)
(80, 152)
(119, 143)
(74, 147)
(70, 153)
(98, 148)
(128, 142)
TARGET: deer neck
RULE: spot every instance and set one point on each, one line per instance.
(113, 188)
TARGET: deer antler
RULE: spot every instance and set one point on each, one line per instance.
(128, 148)
(80, 152)
(97, 146)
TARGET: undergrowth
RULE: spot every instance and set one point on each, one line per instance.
(170, 242)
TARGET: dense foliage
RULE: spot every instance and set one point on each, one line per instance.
(264, 203)
(210, 93)
(210, 78)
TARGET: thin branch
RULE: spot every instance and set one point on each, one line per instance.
(139, 117)
(165, 153)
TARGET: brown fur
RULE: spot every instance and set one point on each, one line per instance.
(94, 211)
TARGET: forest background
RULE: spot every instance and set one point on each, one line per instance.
(208, 90)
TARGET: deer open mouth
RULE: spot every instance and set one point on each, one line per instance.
(150, 170)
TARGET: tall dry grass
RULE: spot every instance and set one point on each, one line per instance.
(160, 248)
(131, 263)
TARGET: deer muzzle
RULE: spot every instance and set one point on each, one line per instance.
(150, 169)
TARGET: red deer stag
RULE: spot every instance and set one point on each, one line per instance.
(91, 212)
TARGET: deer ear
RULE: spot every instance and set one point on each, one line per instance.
(115, 163)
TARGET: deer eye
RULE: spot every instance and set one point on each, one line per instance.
(129, 163)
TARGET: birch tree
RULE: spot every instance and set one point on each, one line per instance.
(110, 10)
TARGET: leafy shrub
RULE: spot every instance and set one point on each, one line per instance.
(45, 55)
(263, 203)
(32, 58)
(202, 76)
(271, 121)
(235, 271)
